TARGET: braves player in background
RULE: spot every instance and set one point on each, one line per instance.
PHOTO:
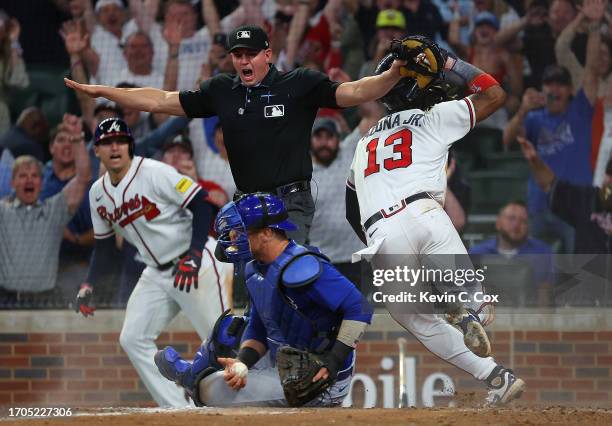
(395, 193)
(298, 302)
(165, 216)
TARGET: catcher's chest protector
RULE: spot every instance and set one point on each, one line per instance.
(287, 321)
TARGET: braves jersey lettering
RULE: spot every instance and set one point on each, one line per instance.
(147, 208)
(394, 120)
(406, 153)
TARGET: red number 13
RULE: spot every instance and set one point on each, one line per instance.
(403, 147)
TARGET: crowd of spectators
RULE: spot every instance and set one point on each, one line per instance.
(553, 57)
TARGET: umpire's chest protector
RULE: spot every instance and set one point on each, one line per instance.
(283, 297)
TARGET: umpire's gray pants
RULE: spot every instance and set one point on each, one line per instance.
(301, 209)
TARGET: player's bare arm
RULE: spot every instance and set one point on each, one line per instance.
(531, 99)
(488, 95)
(143, 99)
(542, 174)
(368, 88)
(75, 189)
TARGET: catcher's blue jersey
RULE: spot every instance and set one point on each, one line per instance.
(300, 300)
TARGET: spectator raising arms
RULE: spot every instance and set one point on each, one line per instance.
(593, 17)
(560, 128)
(486, 54)
(31, 230)
(12, 68)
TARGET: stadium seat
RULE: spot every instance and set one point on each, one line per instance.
(480, 142)
(491, 189)
(507, 161)
(511, 279)
(466, 160)
(46, 90)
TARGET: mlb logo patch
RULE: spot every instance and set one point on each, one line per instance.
(272, 111)
(243, 34)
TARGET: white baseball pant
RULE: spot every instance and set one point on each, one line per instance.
(155, 302)
(423, 228)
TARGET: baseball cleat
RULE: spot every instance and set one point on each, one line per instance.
(172, 366)
(474, 335)
(503, 386)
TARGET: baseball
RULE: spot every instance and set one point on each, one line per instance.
(240, 369)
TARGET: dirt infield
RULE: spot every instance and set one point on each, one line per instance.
(340, 416)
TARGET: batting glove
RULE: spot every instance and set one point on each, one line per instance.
(83, 299)
(186, 270)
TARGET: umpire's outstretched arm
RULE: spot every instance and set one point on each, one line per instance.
(160, 101)
(142, 99)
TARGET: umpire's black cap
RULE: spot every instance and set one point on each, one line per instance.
(248, 37)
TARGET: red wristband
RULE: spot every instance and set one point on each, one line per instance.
(481, 83)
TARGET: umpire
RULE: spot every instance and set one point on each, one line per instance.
(266, 116)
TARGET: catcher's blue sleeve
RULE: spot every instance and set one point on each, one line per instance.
(255, 329)
(334, 291)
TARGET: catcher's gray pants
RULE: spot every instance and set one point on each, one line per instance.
(263, 389)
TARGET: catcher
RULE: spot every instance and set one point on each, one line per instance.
(304, 322)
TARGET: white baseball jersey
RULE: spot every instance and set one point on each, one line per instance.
(406, 153)
(147, 209)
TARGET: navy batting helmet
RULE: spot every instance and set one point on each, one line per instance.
(114, 128)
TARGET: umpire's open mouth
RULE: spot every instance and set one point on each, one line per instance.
(246, 74)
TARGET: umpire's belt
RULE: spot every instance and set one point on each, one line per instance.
(382, 214)
(168, 265)
(283, 190)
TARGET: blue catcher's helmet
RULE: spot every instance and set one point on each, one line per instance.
(114, 128)
(251, 211)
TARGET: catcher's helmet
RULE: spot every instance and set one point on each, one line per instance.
(425, 63)
(114, 128)
(251, 211)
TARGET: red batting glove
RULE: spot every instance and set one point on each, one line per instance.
(83, 299)
(186, 270)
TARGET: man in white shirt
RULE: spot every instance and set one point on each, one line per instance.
(106, 41)
(138, 53)
(194, 45)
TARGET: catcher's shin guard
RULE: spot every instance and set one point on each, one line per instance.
(474, 335)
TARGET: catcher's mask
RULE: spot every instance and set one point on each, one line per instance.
(424, 67)
(232, 234)
(250, 212)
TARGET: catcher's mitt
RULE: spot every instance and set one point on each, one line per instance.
(296, 369)
(424, 59)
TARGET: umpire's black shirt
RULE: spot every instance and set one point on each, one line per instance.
(266, 128)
